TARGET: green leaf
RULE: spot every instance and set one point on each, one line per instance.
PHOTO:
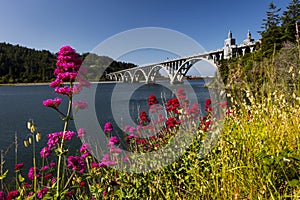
(3, 176)
(60, 152)
(294, 183)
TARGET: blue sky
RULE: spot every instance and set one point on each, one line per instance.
(50, 24)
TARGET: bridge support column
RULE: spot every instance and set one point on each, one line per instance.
(244, 50)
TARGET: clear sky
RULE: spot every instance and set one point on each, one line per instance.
(50, 24)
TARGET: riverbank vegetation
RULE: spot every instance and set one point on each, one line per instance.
(255, 156)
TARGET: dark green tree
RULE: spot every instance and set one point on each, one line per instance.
(271, 34)
(289, 19)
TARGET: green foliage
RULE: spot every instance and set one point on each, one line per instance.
(20, 64)
(23, 65)
(289, 19)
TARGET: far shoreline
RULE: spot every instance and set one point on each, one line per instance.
(37, 84)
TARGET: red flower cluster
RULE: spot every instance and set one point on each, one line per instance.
(171, 122)
(13, 194)
(152, 100)
(181, 93)
(208, 107)
(173, 105)
(144, 120)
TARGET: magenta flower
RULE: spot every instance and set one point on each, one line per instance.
(52, 102)
(13, 194)
(95, 165)
(69, 194)
(108, 127)
(45, 152)
(2, 195)
(69, 135)
(80, 105)
(63, 90)
(127, 128)
(48, 176)
(106, 161)
(31, 173)
(126, 159)
(42, 192)
(81, 132)
(76, 163)
(52, 164)
(85, 155)
(85, 147)
(77, 89)
(56, 83)
(45, 168)
(19, 166)
(114, 140)
(53, 139)
(115, 150)
(130, 136)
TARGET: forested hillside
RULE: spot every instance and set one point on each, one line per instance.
(24, 65)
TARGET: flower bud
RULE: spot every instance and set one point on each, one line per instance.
(38, 137)
(29, 124)
(30, 140)
(32, 129)
(25, 143)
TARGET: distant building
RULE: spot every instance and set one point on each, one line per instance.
(231, 49)
(229, 45)
(249, 40)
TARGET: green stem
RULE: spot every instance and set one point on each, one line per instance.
(16, 156)
(62, 144)
(34, 165)
(43, 165)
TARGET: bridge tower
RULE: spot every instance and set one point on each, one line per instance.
(249, 40)
(229, 46)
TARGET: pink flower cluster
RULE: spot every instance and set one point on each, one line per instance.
(53, 138)
(42, 192)
(77, 163)
(31, 173)
(68, 65)
(45, 152)
(52, 102)
(108, 127)
(80, 105)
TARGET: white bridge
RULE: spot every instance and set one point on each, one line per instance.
(177, 68)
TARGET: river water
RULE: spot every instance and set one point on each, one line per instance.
(21, 103)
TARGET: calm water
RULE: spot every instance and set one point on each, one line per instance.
(21, 103)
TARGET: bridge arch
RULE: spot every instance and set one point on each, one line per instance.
(119, 77)
(153, 71)
(127, 75)
(185, 67)
(136, 75)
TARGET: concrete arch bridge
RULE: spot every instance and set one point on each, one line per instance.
(177, 68)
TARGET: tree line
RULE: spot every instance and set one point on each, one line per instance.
(24, 65)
